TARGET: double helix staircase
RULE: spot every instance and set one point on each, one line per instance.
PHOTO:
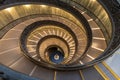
(55, 40)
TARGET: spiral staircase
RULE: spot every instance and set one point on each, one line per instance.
(58, 39)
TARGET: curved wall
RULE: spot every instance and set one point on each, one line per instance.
(97, 12)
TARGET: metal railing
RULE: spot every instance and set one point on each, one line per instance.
(113, 8)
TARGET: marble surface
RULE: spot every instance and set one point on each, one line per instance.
(114, 62)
